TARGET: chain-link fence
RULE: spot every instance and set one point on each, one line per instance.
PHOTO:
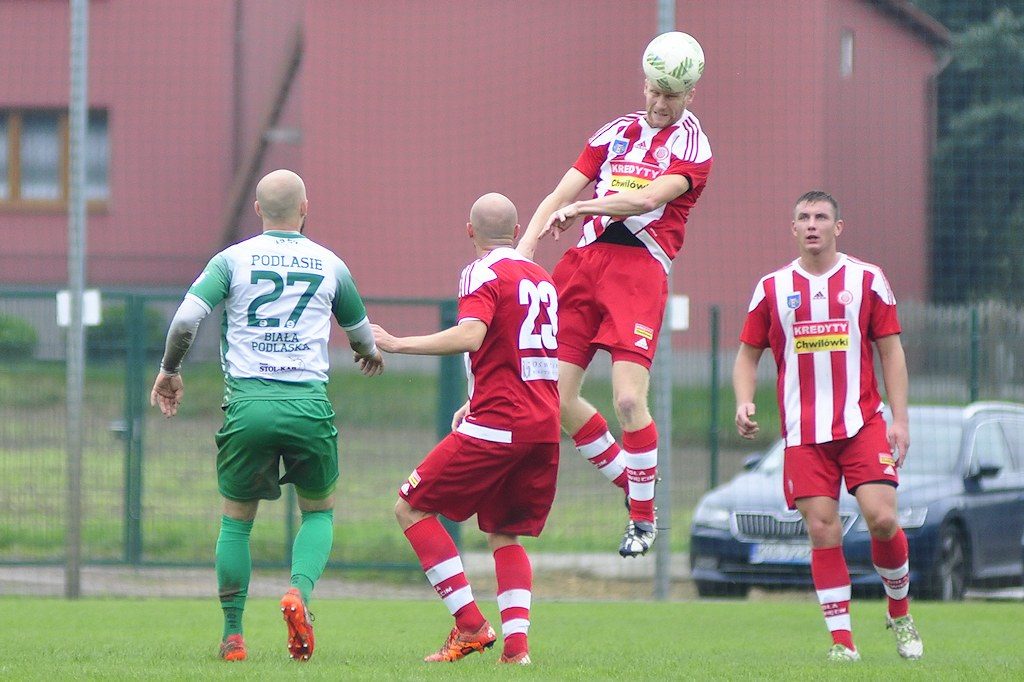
(909, 121)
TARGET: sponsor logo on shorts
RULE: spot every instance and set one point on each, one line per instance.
(793, 301)
(889, 471)
(644, 331)
(886, 458)
(824, 336)
(619, 146)
(414, 478)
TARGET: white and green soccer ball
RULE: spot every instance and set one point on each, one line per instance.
(674, 61)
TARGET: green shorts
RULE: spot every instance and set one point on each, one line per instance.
(258, 436)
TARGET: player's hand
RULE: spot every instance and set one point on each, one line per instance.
(370, 365)
(459, 415)
(167, 392)
(747, 427)
(561, 220)
(898, 436)
(385, 341)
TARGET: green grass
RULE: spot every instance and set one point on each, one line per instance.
(175, 639)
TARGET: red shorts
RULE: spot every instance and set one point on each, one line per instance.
(816, 470)
(610, 297)
(509, 486)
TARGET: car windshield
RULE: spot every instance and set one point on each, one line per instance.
(934, 445)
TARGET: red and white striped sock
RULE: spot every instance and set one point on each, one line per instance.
(641, 449)
(891, 560)
(441, 562)
(832, 583)
(515, 588)
(596, 444)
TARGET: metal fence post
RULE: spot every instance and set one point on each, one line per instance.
(450, 395)
(134, 408)
(290, 505)
(714, 399)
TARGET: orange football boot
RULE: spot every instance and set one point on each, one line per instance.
(233, 648)
(300, 625)
(461, 644)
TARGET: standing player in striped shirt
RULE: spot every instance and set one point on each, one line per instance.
(648, 169)
(501, 460)
(820, 316)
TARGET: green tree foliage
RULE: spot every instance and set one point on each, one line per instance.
(978, 218)
(18, 338)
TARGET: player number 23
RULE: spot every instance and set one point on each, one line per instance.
(534, 295)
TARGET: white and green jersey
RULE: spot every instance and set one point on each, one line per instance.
(279, 291)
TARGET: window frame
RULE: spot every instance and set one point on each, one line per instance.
(15, 202)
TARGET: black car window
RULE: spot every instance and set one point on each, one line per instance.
(990, 447)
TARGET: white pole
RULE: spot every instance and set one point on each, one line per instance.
(75, 363)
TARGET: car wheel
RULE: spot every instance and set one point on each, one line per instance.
(949, 574)
(711, 589)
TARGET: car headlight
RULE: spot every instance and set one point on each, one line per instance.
(909, 517)
(711, 516)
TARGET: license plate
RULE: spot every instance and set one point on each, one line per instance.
(778, 553)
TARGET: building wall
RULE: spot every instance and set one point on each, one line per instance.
(164, 77)
(409, 110)
(884, 107)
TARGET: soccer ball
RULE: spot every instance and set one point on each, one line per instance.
(674, 61)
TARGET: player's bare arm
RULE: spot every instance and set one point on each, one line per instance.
(169, 388)
(464, 337)
(897, 388)
(568, 188)
(631, 202)
(744, 384)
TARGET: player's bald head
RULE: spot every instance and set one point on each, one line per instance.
(494, 218)
(281, 196)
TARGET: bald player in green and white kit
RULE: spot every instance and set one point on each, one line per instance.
(279, 291)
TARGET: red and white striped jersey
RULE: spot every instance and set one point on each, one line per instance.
(627, 154)
(513, 376)
(820, 329)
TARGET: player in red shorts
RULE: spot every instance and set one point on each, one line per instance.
(820, 316)
(501, 460)
(648, 169)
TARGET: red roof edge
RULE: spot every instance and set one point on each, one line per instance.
(916, 20)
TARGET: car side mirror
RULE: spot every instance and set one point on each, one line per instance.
(985, 469)
(750, 462)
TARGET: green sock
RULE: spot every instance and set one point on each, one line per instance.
(311, 550)
(234, 568)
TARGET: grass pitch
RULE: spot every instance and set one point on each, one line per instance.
(175, 639)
